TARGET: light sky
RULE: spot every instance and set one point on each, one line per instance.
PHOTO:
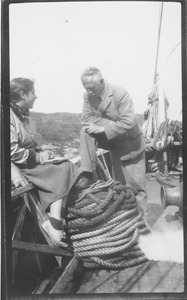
(54, 42)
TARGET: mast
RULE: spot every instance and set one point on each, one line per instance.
(165, 157)
(158, 42)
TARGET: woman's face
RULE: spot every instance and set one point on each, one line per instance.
(28, 99)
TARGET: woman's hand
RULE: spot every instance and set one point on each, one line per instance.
(15, 177)
(45, 155)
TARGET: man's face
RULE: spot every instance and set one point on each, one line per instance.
(94, 88)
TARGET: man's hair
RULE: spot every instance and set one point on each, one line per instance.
(20, 84)
(93, 72)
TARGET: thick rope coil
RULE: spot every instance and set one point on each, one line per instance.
(100, 186)
(110, 219)
(105, 251)
(112, 234)
(129, 195)
(95, 187)
(124, 264)
(144, 230)
(126, 206)
(130, 253)
(87, 202)
(92, 233)
(125, 256)
(109, 211)
(130, 201)
(96, 210)
(103, 226)
(102, 245)
(118, 186)
(120, 258)
(109, 225)
(116, 235)
(90, 199)
(125, 225)
(122, 215)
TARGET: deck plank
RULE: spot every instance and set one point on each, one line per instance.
(149, 277)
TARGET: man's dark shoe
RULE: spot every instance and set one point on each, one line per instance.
(84, 182)
(178, 168)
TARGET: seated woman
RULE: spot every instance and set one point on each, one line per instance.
(53, 181)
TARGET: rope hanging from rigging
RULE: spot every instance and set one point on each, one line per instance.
(151, 125)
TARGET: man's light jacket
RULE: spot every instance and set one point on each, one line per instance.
(115, 112)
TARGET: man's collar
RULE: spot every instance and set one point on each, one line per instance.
(103, 92)
(106, 92)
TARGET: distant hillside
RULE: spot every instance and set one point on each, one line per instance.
(57, 127)
(61, 128)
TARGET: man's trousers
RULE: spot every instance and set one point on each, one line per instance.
(130, 172)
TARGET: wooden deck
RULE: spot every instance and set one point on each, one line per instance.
(149, 277)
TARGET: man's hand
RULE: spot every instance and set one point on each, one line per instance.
(92, 128)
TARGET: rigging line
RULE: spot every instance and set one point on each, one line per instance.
(158, 42)
(171, 53)
(164, 69)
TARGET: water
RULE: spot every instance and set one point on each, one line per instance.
(68, 149)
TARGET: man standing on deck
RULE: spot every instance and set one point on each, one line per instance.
(109, 122)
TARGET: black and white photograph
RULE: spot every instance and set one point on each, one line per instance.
(92, 156)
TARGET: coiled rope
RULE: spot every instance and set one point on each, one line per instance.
(104, 224)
